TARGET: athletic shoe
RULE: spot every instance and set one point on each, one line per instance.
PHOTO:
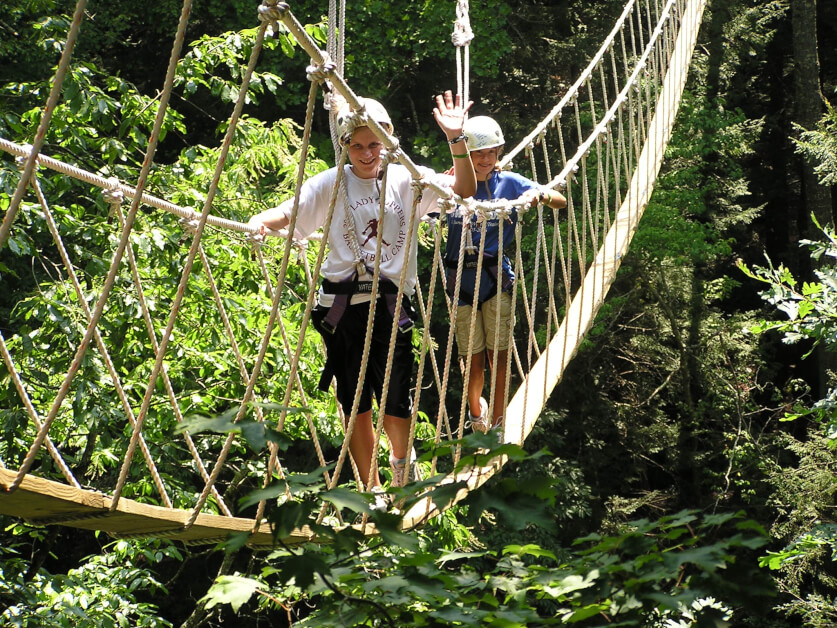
(399, 469)
(479, 423)
(381, 501)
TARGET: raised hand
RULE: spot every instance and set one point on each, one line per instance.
(450, 114)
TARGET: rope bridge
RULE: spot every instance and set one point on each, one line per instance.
(602, 145)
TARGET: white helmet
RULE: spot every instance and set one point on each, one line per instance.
(482, 132)
(348, 120)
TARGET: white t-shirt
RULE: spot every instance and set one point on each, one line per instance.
(364, 202)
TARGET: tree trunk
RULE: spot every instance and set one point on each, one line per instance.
(809, 106)
(808, 109)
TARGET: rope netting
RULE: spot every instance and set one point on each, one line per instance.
(601, 145)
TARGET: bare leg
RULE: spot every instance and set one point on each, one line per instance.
(362, 446)
(398, 433)
(476, 382)
(500, 367)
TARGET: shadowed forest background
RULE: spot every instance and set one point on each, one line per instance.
(698, 421)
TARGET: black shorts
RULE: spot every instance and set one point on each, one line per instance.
(344, 351)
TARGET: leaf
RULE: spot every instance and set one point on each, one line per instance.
(346, 498)
(448, 556)
(232, 590)
(585, 612)
(571, 583)
(528, 550)
(235, 541)
(302, 568)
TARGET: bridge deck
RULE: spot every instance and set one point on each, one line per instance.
(44, 502)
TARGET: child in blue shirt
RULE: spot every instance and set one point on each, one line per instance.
(484, 140)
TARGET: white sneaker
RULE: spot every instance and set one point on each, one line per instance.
(381, 502)
(399, 469)
(498, 431)
(479, 423)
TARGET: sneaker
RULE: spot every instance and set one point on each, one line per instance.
(479, 423)
(399, 469)
(498, 431)
(380, 500)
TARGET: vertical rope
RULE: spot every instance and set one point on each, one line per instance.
(120, 249)
(193, 250)
(43, 126)
(461, 37)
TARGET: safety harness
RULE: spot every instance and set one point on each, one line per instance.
(470, 261)
(344, 290)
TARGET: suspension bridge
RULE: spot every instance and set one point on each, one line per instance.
(602, 145)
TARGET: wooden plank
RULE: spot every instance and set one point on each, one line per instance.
(530, 398)
(45, 502)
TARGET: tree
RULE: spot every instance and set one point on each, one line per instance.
(809, 104)
(669, 350)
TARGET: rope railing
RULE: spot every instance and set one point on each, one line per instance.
(593, 147)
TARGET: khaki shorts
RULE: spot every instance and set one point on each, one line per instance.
(485, 325)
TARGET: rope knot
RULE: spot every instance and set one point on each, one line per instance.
(446, 204)
(113, 196)
(462, 33)
(360, 267)
(320, 72)
(391, 156)
(272, 11)
(20, 160)
(571, 174)
(332, 101)
(418, 185)
(256, 236)
(504, 213)
(189, 224)
(468, 212)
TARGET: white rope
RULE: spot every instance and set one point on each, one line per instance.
(40, 134)
(602, 152)
(120, 249)
(461, 38)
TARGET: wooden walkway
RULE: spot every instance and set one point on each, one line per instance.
(44, 502)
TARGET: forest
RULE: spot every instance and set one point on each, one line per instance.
(684, 471)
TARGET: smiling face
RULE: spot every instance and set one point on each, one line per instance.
(365, 153)
(484, 162)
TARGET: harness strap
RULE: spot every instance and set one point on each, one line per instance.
(341, 301)
(470, 262)
(353, 286)
(490, 266)
(343, 291)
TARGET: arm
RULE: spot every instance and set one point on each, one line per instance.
(546, 196)
(450, 118)
(273, 218)
(553, 199)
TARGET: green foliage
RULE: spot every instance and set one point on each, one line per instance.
(105, 592)
(803, 494)
(820, 146)
(649, 572)
(693, 212)
(218, 63)
(23, 49)
(804, 531)
(811, 312)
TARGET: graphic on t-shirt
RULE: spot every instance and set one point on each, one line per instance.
(372, 228)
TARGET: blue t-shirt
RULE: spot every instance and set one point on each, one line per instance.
(500, 185)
